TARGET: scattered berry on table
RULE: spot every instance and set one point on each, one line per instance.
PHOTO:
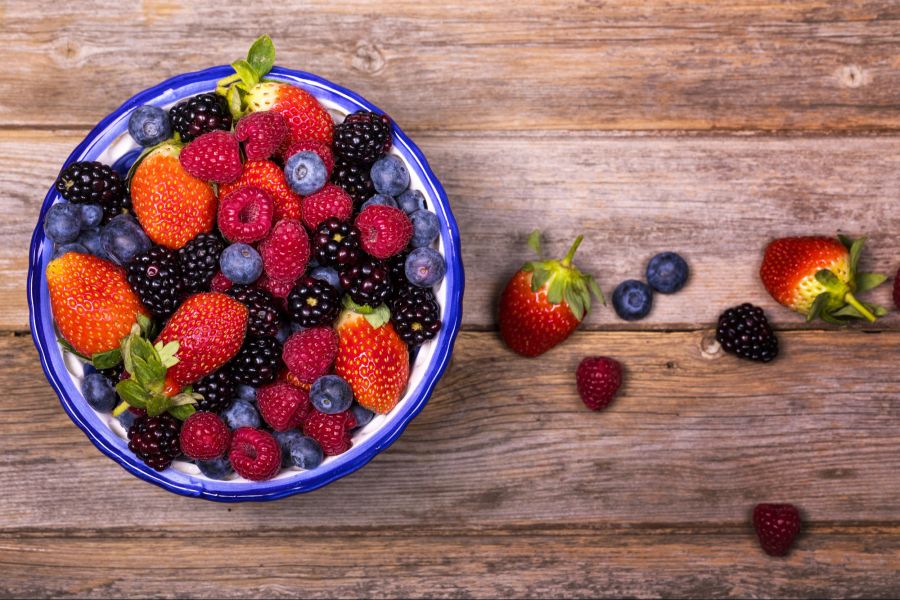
(213, 156)
(154, 440)
(323, 150)
(313, 302)
(282, 405)
(336, 244)
(204, 436)
(327, 274)
(330, 394)
(268, 176)
(245, 215)
(383, 231)
(62, 223)
(254, 454)
(241, 413)
(91, 216)
(262, 134)
(309, 354)
(99, 392)
(157, 278)
(390, 176)
(332, 432)
(305, 173)
(367, 282)
(632, 300)
(598, 378)
(897, 289)
(258, 361)
(285, 252)
(426, 228)
(199, 260)
(122, 239)
(329, 202)
(410, 201)
(667, 272)
(300, 451)
(744, 331)
(265, 316)
(363, 137)
(416, 315)
(241, 264)
(776, 525)
(354, 179)
(217, 468)
(200, 114)
(362, 415)
(149, 125)
(90, 239)
(379, 200)
(218, 391)
(91, 182)
(70, 247)
(425, 267)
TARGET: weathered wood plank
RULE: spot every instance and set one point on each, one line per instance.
(505, 441)
(373, 562)
(717, 200)
(806, 65)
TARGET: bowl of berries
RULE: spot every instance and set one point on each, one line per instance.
(245, 282)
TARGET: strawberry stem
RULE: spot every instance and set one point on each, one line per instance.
(567, 260)
(850, 299)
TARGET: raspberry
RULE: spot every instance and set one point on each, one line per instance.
(323, 150)
(384, 230)
(254, 454)
(279, 289)
(220, 283)
(245, 215)
(286, 251)
(598, 379)
(282, 405)
(262, 133)
(267, 175)
(204, 436)
(331, 431)
(330, 201)
(214, 156)
(155, 440)
(776, 527)
(310, 353)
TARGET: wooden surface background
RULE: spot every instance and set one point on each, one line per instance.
(705, 127)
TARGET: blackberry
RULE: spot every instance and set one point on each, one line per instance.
(416, 315)
(199, 260)
(744, 330)
(258, 361)
(397, 267)
(155, 276)
(368, 282)
(155, 440)
(201, 114)
(313, 302)
(354, 179)
(218, 390)
(113, 374)
(336, 244)
(91, 182)
(264, 317)
(363, 137)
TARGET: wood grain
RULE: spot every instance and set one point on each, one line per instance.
(717, 200)
(504, 65)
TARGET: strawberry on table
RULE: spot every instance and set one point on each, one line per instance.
(544, 302)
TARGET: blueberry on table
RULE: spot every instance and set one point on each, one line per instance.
(122, 239)
(410, 201)
(149, 125)
(306, 173)
(330, 394)
(632, 300)
(390, 176)
(241, 263)
(425, 267)
(62, 223)
(425, 228)
(241, 414)
(99, 392)
(667, 272)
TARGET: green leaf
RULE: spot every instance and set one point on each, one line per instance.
(247, 73)
(574, 301)
(830, 318)
(235, 104)
(555, 291)
(379, 316)
(145, 324)
(168, 353)
(131, 392)
(182, 412)
(878, 311)
(829, 279)
(126, 353)
(848, 311)
(869, 281)
(817, 308)
(539, 278)
(855, 252)
(157, 404)
(534, 242)
(108, 359)
(847, 241)
(151, 375)
(70, 348)
(223, 85)
(261, 56)
(595, 289)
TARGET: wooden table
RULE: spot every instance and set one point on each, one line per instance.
(702, 127)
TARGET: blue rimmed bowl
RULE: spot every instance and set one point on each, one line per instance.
(109, 142)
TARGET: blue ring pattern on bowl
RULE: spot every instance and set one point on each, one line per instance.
(43, 332)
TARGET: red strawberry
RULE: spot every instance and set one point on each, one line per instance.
(776, 527)
(92, 303)
(262, 133)
(598, 379)
(816, 276)
(544, 302)
(372, 359)
(331, 431)
(286, 251)
(897, 290)
(209, 328)
(384, 230)
(268, 176)
(254, 454)
(323, 150)
(245, 214)
(204, 436)
(309, 354)
(214, 156)
(330, 201)
(282, 405)
(171, 205)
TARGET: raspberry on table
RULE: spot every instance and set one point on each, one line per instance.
(598, 379)
(254, 454)
(776, 525)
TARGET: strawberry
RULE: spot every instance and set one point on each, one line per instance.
(371, 358)
(92, 303)
(171, 205)
(268, 176)
(544, 302)
(214, 156)
(262, 133)
(817, 276)
(776, 525)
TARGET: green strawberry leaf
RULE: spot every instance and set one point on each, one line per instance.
(534, 242)
(261, 56)
(555, 290)
(573, 299)
(379, 316)
(540, 278)
(830, 318)
(869, 281)
(157, 404)
(847, 241)
(71, 349)
(223, 85)
(168, 353)
(131, 392)
(107, 360)
(848, 311)
(246, 72)
(855, 252)
(146, 325)
(878, 311)
(595, 289)
(183, 411)
(818, 306)
(235, 104)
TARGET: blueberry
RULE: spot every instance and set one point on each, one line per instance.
(298, 450)
(72, 247)
(246, 392)
(295, 327)
(305, 173)
(91, 215)
(632, 300)
(127, 419)
(285, 439)
(426, 228)
(90, 239)
(363, 415)
(122, 239)
(284, 332)
(379, 199)
(410, 201)
(124, 163)
(149, 125)
(217, 468)
(328, 275)
(667, 272)
(425, 267)
(241, 263)
(390, 176)
(62, 223)
(241, 414)
(99, 392)
(330, 394)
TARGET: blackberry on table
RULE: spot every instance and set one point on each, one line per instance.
(416, 315)
(363, 137)
(258, 361)
(92, 182)
(264, 317)
(744, 330)
(368, 282)
(354, 179)
(313, 302)
(155, 440)
(199, 260)
(200, 114)
(336, 244)
(218, 390)
(155, 276)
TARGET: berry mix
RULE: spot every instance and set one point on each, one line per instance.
(247, 296)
